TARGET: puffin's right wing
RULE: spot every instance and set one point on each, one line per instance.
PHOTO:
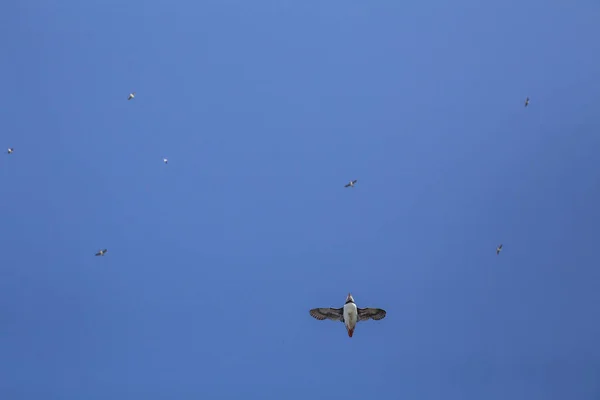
(365, 314)
(334, 314)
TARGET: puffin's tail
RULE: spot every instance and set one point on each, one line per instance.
(350, 332)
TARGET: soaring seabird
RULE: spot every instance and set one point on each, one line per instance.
(498, 249)
(10, 150)
(349, 314)
(101, 252)
(131, 96)
(165, 160)
(526, 101)
(351, 183)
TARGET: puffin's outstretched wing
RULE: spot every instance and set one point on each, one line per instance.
(348, 184)
(370, 313)
(334, 314)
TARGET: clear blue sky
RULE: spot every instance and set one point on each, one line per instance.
(265, 109)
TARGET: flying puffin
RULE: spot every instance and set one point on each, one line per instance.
(350, 315)
(165, 160)
(498, 249)
(351, 183)
(526, 101)
(101, 252)
(131, 96)
(10, 150)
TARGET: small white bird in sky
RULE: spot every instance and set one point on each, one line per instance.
(350, 315)
(498, 249)
(165, 160)
(101, 252)
(10, 150)
(351, 183)
(131, 96)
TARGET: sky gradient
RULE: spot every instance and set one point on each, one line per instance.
(265, 110)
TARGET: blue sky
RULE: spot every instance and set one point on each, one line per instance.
(265, 109)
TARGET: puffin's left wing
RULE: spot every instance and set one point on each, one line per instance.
(334, 314)
(370, 313)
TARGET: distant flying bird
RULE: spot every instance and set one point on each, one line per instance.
(131, 96)
(350, 315)
(526, 102)
(498, 249)
(10, 150)
(351, 183)
(101, 252)
(165, 160)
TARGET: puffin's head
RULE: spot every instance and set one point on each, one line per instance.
(349, 298)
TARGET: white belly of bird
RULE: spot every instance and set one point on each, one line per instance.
(350, 315)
